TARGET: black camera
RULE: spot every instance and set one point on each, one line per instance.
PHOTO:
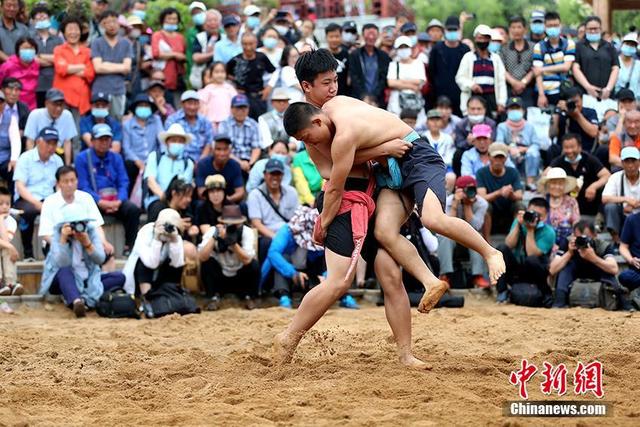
(78, 226)
(169, 228)
(471, 192)
(583, 242)
(531, 217)
(571, 106)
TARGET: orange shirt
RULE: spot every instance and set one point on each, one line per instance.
(76, 89)
(616, 145)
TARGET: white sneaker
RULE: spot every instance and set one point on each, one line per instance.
(5, 289)
(17, 289)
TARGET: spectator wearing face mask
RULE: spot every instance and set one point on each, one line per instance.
(405, 78)
(463, 136)
(24, 67)
(271, 46)
(40, 16)
(349, 35)
(271, 124)
(203, 46)
(283, 23)
(141, 62)
(252, 21)
(198, 12)
(100, 106)
(168, 47)
(629, 75)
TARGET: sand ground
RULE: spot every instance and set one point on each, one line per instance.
(214, 368)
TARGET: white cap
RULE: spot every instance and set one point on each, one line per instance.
(631, 37)
(197, 5)
(629, 153)
(402, 40)
(483, 30)
(497, 35)
(251, 10)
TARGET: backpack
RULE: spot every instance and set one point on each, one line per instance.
(145, 184)
(117, 304)
(169, 298)
(590, 294)
(634, 296)
(526, 294)
(408, 100)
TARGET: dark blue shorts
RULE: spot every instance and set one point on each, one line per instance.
(423, 169)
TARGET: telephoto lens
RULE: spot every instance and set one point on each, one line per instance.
(169, 228)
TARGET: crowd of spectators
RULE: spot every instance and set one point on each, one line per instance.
(182, 128)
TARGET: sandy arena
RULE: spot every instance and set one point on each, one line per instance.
(214, 368)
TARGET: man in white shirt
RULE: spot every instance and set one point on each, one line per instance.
(270, 123)
(621, 194)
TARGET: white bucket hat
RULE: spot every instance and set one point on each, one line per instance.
(570, 182)
(175, 129)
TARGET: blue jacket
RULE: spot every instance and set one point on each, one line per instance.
(61, 256)
(283, 244)
(108, 172)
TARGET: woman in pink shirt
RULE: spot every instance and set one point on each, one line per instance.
(23, 66)
(215, 97)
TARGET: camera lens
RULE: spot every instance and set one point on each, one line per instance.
(169, 228)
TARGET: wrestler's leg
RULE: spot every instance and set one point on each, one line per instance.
(391, 214)
(434, 218)
(397, 308)
(314, 304)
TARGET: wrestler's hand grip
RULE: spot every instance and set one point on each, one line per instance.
(318, 234)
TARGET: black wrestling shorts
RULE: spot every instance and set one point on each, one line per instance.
(339, 237)
(423, 169)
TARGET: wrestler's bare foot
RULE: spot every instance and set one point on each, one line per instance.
(412, 362)
(283, 348)
(432, 295)
(496, 265)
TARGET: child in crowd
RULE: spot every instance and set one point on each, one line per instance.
(215, 97)
(8, 253)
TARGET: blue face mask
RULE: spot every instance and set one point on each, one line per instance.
(170, 27)
(515, 115)
(576, 160)
(99, 113)
(270, 42)
(143, 39)
(27, 55)
(452, 36)
(628, 50)
(593, 38)
(143, 112)
(414, 40)
(253, 22)
(537, 28)
(176, 149)
(553, 32)
(140, 14)
(282, 157)
(199, 19)
(43, 25)
(494, 47)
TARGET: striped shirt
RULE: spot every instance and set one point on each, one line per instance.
(483, 74)
(545, 55)
(245, 136)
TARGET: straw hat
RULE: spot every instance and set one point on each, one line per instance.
(557, 173)
(175, 129)
(215, 181)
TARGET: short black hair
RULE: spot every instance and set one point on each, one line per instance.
(479, 99)
(592, 18)
(568, 136)
(178, 186)
(315, 62)
(279, 141)
(63, 170)
(570, 92)
(517, 19)
(4, 191)
(540, 202)
(298, 117)
(29, 40)
(107, 14)
(168, 11)
(71, 19)
(550, 16)
(443, 101)
(332, 27)
(408, 113)
(40, 8)
(583, 224)
(369, 26)
(9, 81)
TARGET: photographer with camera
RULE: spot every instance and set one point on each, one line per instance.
(587, 258)
(526, 250)
(228, 256)
(464, 203)
(72, 266)
(157, 256)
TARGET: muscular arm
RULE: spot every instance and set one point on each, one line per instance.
(342, 154)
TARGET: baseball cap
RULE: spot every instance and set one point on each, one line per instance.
(452, 22)
(189, 94)
(434, 114)
(49, 134)
(240, 100)
(222, 137)
(154, 83)
(274, 165)
(483, 30)
(100, 130)
(625, 94)
(466, 181)
(215, 181)
(424, 37)
(408, 27)
(251, 10)
(515, 101)
(434, 23)
(498, 149)
(481, 131)
(631, 37)
(537, 16)
(349, 26)
(197, 5)
(280, 94)
(402, 40)
(630, 153)
(54, 95)
(100, 96)
(230, 20)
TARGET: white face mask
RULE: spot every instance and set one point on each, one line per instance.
(403, 53)
(478, 118)
(348, 37)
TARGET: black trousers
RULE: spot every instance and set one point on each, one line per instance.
(129, 215)
(7, 177)
(534, 269)
(165, 273)
(27, 220)
(257, 106)
(263, 248)
(243, 284)
(132, 173)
